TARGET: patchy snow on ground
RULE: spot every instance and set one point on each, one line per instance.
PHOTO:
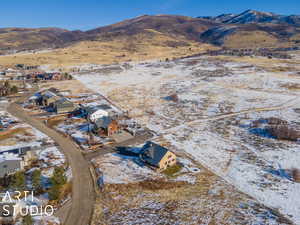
(118, 168)
(256, 167)
(204, 87)
(207, 95)
(51, 157)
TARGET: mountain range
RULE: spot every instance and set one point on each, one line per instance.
(248, 29)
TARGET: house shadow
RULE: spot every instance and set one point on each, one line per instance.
(280, 173)
(262, 132)
(130, 153)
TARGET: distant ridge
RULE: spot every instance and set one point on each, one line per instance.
(253, 16)
(250, 28)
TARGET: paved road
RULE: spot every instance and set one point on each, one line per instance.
(79, 211)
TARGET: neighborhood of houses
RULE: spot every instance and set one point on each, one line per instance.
(91, 120)
(30, 74)
(99, 123)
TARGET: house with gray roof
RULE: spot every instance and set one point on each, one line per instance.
(63, 105)
(157, 156)
(10, 163)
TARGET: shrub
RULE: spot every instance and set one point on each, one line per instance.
(284, 132)
(296, 175)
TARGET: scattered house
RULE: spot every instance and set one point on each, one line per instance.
(25, 67)
(57, 76)
(49, 98)
(10, 163)
(95, 113)
(106, 126)
(27, 153)
(63, 105)
(157, 156)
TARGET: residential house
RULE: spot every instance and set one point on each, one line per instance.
(10, 163)
(57, 76)
(95, 113)
(99, 110)
(106, 126)
(49, 98)
(26, 153)
(157, 156)
(64, 105)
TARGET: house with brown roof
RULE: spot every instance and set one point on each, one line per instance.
(106, 126)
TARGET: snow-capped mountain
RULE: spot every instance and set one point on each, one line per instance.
(253, 16)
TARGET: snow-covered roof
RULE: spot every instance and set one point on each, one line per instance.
(8, 157)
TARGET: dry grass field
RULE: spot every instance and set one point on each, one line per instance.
(250, 39)
(208, 201)
(150, 44)
(74, 86)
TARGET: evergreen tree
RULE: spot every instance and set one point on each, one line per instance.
(58, 178)
(19, 181)
(14, 89)
(36, 181)
(6, 84)
(27, 220)
(54, 192)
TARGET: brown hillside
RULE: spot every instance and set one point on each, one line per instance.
(172, 25)
(149, 44)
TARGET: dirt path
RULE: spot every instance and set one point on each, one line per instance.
(80, 210)
(287, 104)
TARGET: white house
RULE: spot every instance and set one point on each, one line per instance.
(97, 114)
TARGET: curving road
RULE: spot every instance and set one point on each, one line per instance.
(80, 209)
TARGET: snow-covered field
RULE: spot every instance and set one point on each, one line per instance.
(182, 101)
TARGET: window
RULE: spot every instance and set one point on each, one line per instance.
(4, 166)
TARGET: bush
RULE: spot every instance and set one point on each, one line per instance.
(27, 220)
(171, 171)
(284, 132)
(14, 89)
(59, 178)
(296, 175)
(19, 181)
(54, 192)
(36, 181)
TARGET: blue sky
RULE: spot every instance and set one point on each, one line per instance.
(88, 14)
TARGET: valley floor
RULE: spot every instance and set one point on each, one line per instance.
(204, 109)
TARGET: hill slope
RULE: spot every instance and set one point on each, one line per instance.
(171, 25)
(148, 37)
(18, 39)
(149, 44)
(252, 35)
